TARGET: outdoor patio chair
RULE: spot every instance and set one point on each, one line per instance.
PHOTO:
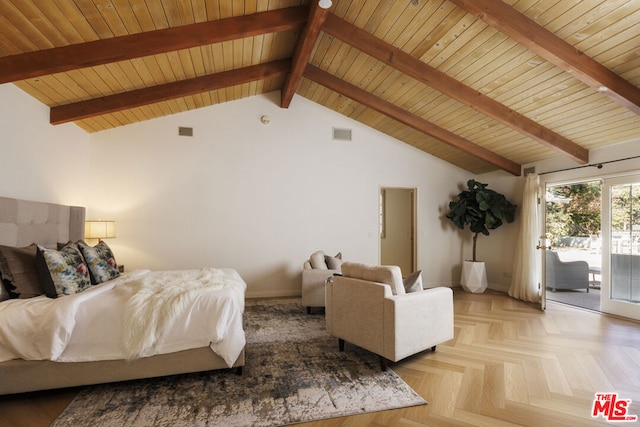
(566, 274)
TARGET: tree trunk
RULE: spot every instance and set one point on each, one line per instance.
(475, 240)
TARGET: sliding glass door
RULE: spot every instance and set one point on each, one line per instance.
(621, 246)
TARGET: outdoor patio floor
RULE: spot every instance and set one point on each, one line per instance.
(579, 298)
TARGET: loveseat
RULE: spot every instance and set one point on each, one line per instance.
(315, 272)
(369, 306)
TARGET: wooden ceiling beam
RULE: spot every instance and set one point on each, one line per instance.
(543, 42)
(66, 58)
(136, 98)
(430, 76)
(376, 103)
(306, 42)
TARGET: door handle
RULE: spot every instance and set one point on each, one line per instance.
(542, 244)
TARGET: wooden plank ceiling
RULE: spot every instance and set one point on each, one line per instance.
(482, 84)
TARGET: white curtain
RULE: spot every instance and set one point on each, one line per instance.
(527, 267)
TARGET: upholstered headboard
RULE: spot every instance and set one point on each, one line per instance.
(23, 222)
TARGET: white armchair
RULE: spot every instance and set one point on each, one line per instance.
(368, 307)
(315, 272)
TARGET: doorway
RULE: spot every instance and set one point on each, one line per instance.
(397, 215)
(573, 262)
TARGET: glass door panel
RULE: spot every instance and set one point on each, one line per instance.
(625, 242)
(621, 275)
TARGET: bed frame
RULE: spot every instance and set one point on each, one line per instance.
(24, 222)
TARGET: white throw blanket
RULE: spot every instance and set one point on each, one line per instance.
(155, 301)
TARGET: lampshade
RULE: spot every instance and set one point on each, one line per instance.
(99, 229)
(325, 4)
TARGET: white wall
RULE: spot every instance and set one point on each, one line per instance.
(254, 197)
(497, 250)
(39, 161)
(261, 198)
(499, 258)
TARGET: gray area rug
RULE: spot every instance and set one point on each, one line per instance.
(293, 373)
(578, 298)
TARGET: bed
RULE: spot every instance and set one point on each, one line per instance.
(73, 363)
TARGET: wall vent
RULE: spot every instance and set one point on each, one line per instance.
(184, 131)
(341, 134)
(529, 171)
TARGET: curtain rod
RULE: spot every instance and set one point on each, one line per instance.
(590, 165)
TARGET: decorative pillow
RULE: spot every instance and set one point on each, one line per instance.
(18, 271)
(62, 272)
(101, 262)
(413, 282)
(61, 245)
(333, 263)
(317, 261)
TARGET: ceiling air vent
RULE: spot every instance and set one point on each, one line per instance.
(184, 131)
(340, 134)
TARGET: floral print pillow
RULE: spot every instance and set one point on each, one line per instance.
(101, 262)
(62, 272)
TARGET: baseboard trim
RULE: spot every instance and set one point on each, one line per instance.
(275, 293)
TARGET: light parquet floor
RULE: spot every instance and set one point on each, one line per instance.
(509, 364)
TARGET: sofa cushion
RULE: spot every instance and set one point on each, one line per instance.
(413, 282)
(388, 274)
(317, 261)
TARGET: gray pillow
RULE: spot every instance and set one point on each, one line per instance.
(334, 263)
(18, 272)
(413, 282)
(4, 295)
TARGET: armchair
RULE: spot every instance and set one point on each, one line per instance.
(565, 274)
(315, 272)
(368, 307)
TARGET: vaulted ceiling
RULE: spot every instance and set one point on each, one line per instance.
(482, 84)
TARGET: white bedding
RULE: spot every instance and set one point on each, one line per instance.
(90, 326)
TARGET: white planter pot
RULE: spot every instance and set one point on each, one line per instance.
(474, 277)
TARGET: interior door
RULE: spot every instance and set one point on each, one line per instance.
(621, 246)
(397, 236)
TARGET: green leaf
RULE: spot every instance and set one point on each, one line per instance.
(480, 208)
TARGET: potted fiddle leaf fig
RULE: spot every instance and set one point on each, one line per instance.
(481, 209)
